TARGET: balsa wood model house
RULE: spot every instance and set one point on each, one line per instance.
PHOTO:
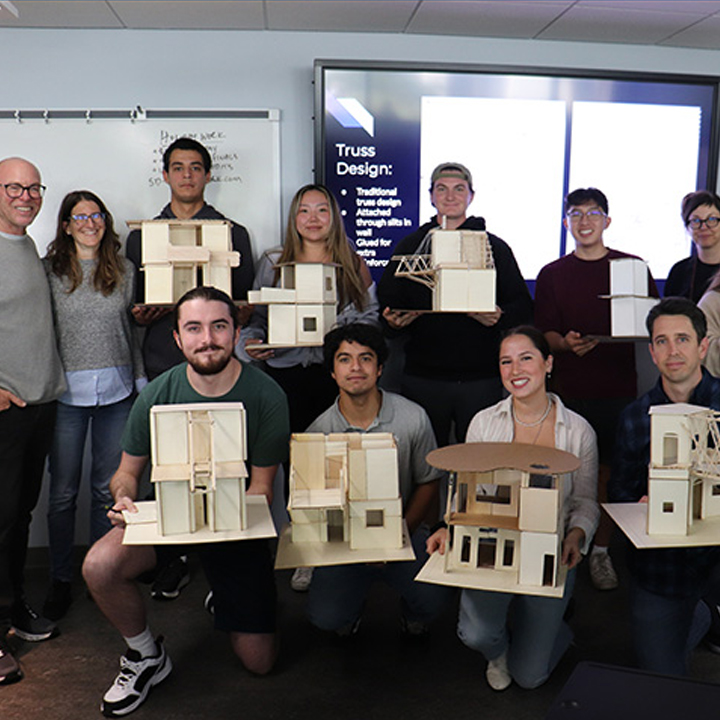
(458, 266)
(198, 453)
(505, 518)
(198, 466)
(176, 252)
(683, 501)
(684, 472)
(629, 301)
(345, 502)
(303, 308)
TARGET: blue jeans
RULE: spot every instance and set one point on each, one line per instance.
(337, 593)
(529, 628)
(666, 630)
(66, 456)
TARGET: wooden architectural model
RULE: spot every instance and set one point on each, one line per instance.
(175, 252)
(345, 502)
(458, 266)
(303, 308)
(345, 487)
(505, 518)
(629, 301)
(684, 472)
(198, 467)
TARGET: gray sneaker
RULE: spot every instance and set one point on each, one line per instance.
(602, 572)
(301, 579)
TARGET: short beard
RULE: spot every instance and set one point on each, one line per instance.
(213, 368)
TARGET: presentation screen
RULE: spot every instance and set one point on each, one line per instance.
(528, 137)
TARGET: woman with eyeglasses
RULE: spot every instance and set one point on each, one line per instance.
(92, 289)
(691, 277)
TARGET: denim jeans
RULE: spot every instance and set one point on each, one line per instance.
(66, 458)
(338, 593)
(666, 630)
(530, 628)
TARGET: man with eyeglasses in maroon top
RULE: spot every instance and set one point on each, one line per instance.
(31, 379)
(596, 380)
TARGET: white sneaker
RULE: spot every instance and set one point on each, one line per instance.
(301, 579)
(136, 678)
(497, 673)
(602, 572)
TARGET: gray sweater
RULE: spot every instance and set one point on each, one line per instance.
(94, 331)
(29, 362)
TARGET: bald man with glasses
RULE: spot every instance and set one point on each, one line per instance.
(31, 379)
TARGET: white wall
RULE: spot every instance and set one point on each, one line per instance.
(181, 69)
(109, 69)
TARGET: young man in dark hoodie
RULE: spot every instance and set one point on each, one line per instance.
(451, 364)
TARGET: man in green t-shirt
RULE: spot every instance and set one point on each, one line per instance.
(240, 573)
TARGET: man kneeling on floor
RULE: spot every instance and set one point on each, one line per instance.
(240, 573)
(355, 354)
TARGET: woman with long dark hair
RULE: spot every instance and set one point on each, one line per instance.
(524, 636)
(91, 285)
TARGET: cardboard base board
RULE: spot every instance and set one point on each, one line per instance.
(433, 571)
(631, 518)
(319, 554)
(142, 529)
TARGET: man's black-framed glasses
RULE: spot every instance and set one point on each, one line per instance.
(16, 190)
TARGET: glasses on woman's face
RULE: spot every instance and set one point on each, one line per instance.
(708, 222)
(82, 218)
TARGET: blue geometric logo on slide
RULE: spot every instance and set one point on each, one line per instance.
(351, 113)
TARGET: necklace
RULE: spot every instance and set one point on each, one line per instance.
(531, 424)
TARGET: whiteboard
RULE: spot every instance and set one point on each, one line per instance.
(118, 155)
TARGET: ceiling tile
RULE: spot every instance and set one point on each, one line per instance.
(191, 14)
(60, 14)
(489, 19)
(617, 25)
(340, 15)
(694, 7)
(705, 34)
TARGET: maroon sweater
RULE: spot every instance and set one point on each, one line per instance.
(567, 298)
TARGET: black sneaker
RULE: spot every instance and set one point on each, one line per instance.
(171, 579)
(58, 600)
(30, 626)
(10, 671)
(136, 678)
